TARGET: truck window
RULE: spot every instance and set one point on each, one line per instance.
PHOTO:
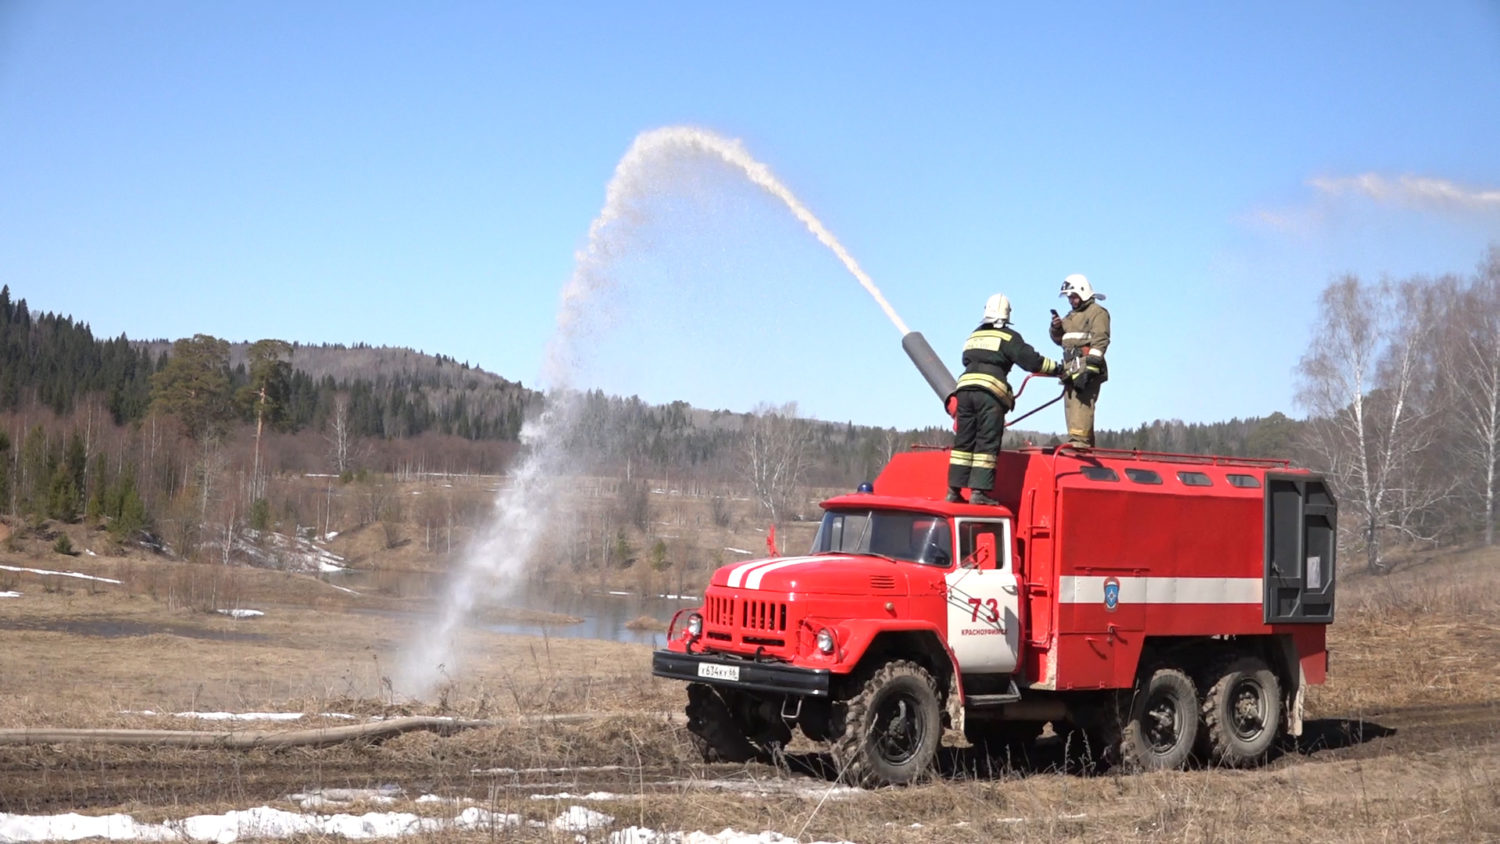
(1143, 476)
(1099, 473)
(913, 537)
(1194, 479)
(981, 545)
(1244, 481)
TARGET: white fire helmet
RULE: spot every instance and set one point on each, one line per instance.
(1078, 284)
(997, 309)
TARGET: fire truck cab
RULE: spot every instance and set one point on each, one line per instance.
(1163, 606)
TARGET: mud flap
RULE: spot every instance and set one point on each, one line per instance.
(955, 703)
(1294, 706)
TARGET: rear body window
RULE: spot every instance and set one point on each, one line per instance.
(1194, 479)
(1099, 473)
(1143, 476)
(1244, 481)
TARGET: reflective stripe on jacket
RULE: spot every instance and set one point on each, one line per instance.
(990, 352)
(1084, 337)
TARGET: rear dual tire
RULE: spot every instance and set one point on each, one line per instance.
(1241, 712)
(1159, 723)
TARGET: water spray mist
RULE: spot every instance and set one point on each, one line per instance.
(493, 564)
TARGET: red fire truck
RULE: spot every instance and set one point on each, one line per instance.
(1162, 606)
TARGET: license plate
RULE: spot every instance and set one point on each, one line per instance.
(714, 671)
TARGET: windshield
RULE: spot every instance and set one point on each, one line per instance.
(915, 537)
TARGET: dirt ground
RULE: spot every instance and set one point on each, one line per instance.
(1404, 743)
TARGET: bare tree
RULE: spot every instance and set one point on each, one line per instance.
(1366, 382)
(776, 454)
(340, 435)
(1471, 372)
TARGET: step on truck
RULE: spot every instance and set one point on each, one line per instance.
(1160, 607)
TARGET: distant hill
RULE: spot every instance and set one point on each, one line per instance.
(393, 392)
(398, 393)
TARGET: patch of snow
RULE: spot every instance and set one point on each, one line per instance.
(433, 798)
(280, 551)
(243, 716)
(259, 823)
(581, 819)
(240, 716)
(737, 550)
(78, 575)
(239, 613)
(326, 797)
(90, 552)
(10, 594)
(592, 795)
(508, 772)
(802, 787)
(641, 835)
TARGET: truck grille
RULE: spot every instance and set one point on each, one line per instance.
(747, 621)
(720, 610)
(769, 616)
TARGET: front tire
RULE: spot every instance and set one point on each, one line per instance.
(1241, 712)
(713, 729)
(1161, 723)
(892, 728)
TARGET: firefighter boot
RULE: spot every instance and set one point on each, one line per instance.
(955, 495)
(981, 498)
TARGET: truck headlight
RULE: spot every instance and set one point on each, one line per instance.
(826, 641)
(695, 625)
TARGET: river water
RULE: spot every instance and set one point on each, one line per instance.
(606, 614)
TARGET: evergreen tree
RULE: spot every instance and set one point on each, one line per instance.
(5, 481)
(266, 392)
(194, 386)
(36, 473)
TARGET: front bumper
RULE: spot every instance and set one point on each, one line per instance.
(742, 673)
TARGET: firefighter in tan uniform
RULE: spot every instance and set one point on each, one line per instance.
(983, 397)
(1084, 336)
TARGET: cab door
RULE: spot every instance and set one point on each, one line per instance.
(984, 625)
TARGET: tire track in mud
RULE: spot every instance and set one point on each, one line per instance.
(49, 779)
(1402, 730)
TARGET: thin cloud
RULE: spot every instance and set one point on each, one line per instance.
(1410, 191)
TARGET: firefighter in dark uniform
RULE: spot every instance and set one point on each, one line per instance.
(983, 397)
(1083, 335)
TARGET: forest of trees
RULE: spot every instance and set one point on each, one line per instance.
(1401, 386)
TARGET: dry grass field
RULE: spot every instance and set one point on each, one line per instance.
(1404, 745)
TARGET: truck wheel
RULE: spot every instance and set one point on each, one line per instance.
(712, 727)
(1161, 723)
(1241, 712)
(891, 727)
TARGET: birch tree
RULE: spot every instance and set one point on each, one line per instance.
(1472, 373)
(340, 436)
(1365, 381)
(775, 454)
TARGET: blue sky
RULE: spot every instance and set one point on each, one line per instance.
(421, 175)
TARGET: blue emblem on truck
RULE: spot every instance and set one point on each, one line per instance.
(1111, 593)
